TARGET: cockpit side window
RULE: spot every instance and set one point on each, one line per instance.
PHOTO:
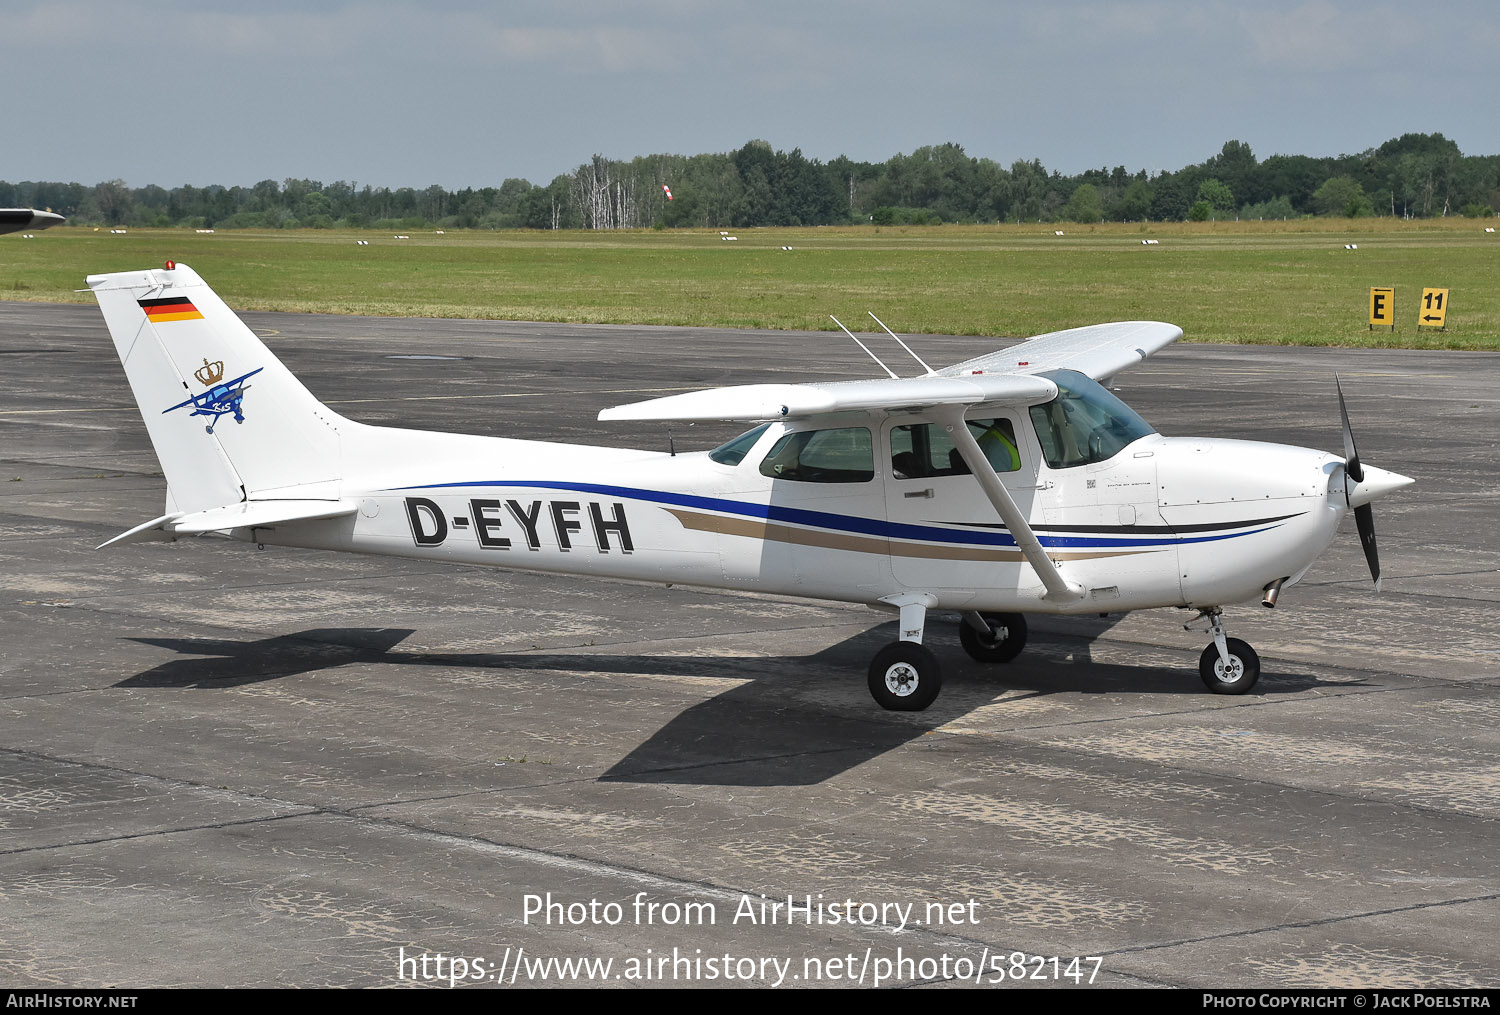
(1084, 423)
(735, 451)
(845, 455)
(924, 450)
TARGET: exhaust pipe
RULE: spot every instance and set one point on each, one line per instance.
(1272, 591)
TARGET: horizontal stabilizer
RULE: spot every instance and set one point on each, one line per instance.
(783, 401)
(256, 514)
(154, 531)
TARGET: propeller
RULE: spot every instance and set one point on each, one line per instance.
(1362, 484)
(1364, 516)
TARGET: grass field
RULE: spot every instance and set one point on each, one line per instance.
(1259, 282)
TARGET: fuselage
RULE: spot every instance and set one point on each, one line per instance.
(858, 508)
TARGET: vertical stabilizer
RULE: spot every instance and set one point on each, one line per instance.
(228, 421)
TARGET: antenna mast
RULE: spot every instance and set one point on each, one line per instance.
(866, 348)
(888, 331)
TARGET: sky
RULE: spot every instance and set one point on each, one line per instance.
(465, 93)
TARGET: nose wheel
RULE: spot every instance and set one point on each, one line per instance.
(1237, 675)
(1229, 665)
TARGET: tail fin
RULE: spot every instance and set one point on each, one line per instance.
(228, 421)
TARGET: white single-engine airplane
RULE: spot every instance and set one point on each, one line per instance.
(1012, 482)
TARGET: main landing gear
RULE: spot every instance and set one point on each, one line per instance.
(906, 677)
(992, 637)
(1228, 666)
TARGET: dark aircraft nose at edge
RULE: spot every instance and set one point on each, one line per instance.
(13, 220)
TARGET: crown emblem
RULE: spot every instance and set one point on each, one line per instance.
(210, 373)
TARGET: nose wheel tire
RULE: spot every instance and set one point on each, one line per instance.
(1237, 677)
(1005, 640)
(905, 677)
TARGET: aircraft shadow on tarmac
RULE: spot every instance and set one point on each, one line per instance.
(796, 721)
(208, 663)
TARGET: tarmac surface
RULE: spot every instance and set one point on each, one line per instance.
(225, 766)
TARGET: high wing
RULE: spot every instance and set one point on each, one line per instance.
(1099, 350)
(1007, 377)
(782, 401)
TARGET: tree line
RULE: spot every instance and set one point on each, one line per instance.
(1413, 176)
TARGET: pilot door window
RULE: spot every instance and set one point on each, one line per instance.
(822, 456)
(924, 450)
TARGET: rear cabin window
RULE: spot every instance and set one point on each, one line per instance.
(822, 456)
(924, 450)
(734, 452)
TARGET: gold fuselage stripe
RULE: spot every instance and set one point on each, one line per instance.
(753, 528)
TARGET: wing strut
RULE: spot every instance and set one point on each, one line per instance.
(1058, 587)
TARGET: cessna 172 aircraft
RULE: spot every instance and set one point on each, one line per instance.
(1010, 483)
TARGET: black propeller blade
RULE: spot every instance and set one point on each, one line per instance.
(1352, 468)
(1364, 517)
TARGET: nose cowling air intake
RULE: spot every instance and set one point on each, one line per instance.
(1363, 484)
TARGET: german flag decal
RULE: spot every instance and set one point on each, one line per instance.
(176, 308)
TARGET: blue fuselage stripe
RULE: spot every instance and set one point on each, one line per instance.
(851, 523)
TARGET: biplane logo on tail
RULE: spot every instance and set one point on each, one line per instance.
(220, 399)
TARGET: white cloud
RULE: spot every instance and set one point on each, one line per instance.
(1320, 37)
(592, 49)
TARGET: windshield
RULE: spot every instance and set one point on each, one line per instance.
(1084, 423)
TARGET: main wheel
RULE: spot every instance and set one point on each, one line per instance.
(1005, 641)
(1236, 678)
(905, 677)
